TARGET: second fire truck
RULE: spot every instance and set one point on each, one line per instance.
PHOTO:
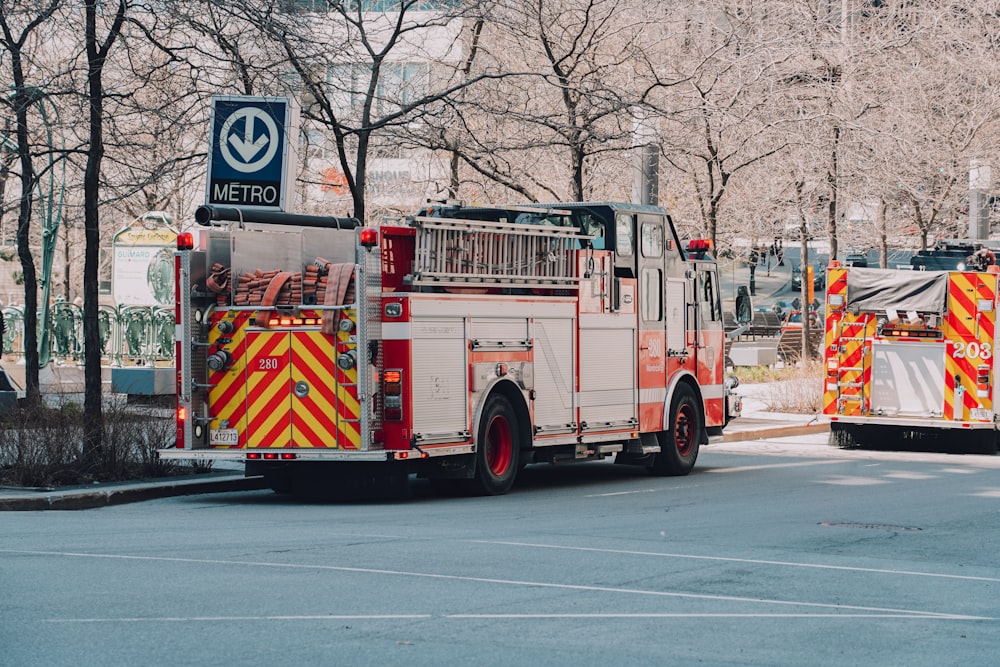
(460, 344)
(910, 356)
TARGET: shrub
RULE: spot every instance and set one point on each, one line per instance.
(44, 447)
(800, 393)
(797, 389)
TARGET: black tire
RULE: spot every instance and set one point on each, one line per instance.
(497, 449)
(327, 483)
(843, 436)
(447, 487)
(278, 479)
(679, 445)
(982, 442)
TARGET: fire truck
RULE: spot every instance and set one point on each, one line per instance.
(459, 344)
(910, 357)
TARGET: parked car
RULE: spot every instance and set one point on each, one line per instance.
(856, 259)
(819, 278)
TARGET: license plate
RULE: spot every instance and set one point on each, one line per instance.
(223, 436)
(979, 414)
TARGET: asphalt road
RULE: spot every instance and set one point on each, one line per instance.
(784, 552)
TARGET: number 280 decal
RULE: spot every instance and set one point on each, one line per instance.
(268, 364)
(971, 350)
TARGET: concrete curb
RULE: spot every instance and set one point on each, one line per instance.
(776, 432)
(27, 500)
(84, 499)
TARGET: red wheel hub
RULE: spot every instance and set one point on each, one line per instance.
(683, 436)
(499, 445)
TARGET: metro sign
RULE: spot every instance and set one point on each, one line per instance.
(252, 152)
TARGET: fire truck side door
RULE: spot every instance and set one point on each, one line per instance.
(710, 340)
(708, 307)
(652, 322)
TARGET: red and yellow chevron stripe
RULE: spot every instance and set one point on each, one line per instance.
(284, 388)
(969, 333)
(831, 359)
(227, 394)
(848, 356)
(269, 388)
(855, 363)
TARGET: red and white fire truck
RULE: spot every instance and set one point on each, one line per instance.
(459, 344)
(910, 357)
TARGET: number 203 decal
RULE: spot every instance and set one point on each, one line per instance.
(972, 350)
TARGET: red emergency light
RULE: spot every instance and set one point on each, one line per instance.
(700, 245)
(369, 237)
(185, 241)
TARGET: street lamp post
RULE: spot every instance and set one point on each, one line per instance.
(51, 213)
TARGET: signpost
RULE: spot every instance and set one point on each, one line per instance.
(142, 265)
(142, 278)
(252, 152)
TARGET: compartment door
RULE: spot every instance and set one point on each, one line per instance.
(908, 379)
(269, 406)
(322, 414)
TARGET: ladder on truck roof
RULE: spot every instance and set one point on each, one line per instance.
(461, 253)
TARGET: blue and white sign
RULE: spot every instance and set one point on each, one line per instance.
(252, 154)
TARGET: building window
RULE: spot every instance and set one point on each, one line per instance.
(399, 84)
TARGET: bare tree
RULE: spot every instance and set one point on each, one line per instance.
(19, 23)
(363, 76)
(98, 40)
(936, 112)
(550, 128)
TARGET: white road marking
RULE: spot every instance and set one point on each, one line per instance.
(392, 617)
(621, 493)
(200, 619)
(507, 582)
(902, 474)
(852, 480)
(753, 561)
(797, 464)
(712, 615)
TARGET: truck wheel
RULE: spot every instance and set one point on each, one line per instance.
(679, 445)
(497, 449)
(843, 436)
(983, 442)
(280, 481)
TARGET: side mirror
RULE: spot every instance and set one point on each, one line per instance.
(744, 306)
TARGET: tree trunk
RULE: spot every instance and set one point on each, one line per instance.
(832, 178)
(29, 181)
(93, 415)
(883, 234)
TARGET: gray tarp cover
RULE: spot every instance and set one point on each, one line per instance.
(879, 289)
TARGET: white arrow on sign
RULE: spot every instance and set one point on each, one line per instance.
(248, 146)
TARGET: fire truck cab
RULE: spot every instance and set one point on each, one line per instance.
(460, 344)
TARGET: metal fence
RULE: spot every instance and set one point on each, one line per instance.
(130, 335)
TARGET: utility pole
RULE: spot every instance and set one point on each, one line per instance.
(979, 204)
(645, 160)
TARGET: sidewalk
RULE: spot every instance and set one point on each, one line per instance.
(755, 424)
(758, 423)
(119, 493)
